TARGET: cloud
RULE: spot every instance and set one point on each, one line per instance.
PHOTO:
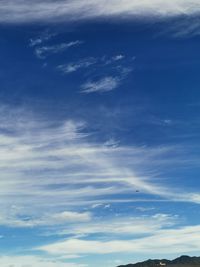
(99, 62)
(183, 28)
(103, 64)
(17, 220)
(22, 11)
(52, 173)
(122, 226)
(118, 57)
(105, 84)
(144, 209)
(94, 206)
(113, 59)
(74, 66)
(168, 241)
(32, 261)
(43, 37)
(53, 166)
(43, 51)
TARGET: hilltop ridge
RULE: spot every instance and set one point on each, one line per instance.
(183, 261)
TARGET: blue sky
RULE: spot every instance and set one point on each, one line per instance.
(99, 131)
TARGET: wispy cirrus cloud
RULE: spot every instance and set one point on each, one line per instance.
(28, 260)
(48, 165)
(121, 226)
(41, 38)
(117, 71)
(114, 59)
(75, 66)
(166, 241)
(185, 11)
(21, 11)
(99, 62)
(43, 51)
(54, 176)
(105, 84)
(15, 219)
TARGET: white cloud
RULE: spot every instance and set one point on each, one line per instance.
(105, 84)
(113, 59)
(43, 51)
(143, 209)
(180, 240)
(43, 37)
(69, 216)
(118, 57)
(32, 261)
(22, 11)
(94, 206)
(51, 175)
(130, 226)
(73, 67)
(53, 166)
(15, 219)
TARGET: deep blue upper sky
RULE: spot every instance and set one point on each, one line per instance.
(99, 132)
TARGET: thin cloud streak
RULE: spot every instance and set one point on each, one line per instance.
(120, 227)
(67, 217)
(74, 66)
(105, 84)
(43, 37)
(46, 166)
(43, 51)
(166, 241)
(21, 11)
(19, 261)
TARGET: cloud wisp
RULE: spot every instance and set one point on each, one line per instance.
(54, 177)
(132, 226)
(15, 219)
(21, 11)
(116, 70)
(42, 51)
(180, 240)
(105, 84)
(41, 38)
(185, 12)
(75, 66)
(54, 167)
(18, 261)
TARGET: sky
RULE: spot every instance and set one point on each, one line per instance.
(99, 131)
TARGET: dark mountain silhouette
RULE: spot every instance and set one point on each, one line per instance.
(183, 261)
